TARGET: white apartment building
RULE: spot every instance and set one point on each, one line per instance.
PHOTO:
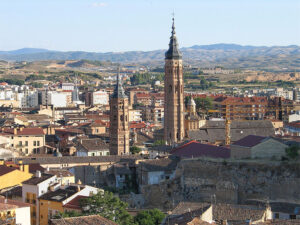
(57, 99)
(100, 98)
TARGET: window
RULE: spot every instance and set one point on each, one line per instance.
(38, 143)
(26, 150)
(26, 143)
(170, 88)
(292, 217)
(20, 143)
(276, 215)
(34, 143)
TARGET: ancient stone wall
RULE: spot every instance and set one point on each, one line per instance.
(226, 181)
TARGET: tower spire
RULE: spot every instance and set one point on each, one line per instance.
(173, 51)
(119, 90)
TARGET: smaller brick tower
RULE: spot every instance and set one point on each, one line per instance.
(119, 121)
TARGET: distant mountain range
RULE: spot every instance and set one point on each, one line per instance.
(227, 55)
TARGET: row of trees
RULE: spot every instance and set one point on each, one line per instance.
(146, 78)
(111, 207)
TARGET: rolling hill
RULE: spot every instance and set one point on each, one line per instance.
(226, 55)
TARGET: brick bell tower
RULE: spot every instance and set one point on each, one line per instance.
(174, 104)
(119, 121)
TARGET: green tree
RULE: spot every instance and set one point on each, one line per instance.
(37, 85)
(159, 143)
(292, 152)
(67, 214)
(203, 103)
(135, 150)
(149, 217)
(108, 206)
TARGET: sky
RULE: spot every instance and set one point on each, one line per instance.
(130, 25)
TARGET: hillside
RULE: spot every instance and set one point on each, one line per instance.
(275, 58)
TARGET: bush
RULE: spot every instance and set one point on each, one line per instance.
(149, 217)
(292, 152)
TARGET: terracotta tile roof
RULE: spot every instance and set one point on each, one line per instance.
(23, 131)
(75, 203)
(69, 131)
(36, 180)
(34, 167)
(142, 95)
(237, 212)
(16, 204)
(5, 169)
(166, 164)
(250, 141)
(60, 172)
(184, 207)
(196, 149)
(243, 100)
(135, 125)
(83, 220)
(75, 159)
(94, 144)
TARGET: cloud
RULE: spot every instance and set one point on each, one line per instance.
(99, 4)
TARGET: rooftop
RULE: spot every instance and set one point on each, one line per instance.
(250, 141)
(196, 149)
(36, 180)
(22, 131)
(83, 220)
(60, 194)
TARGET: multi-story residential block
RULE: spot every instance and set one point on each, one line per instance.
(57, 99)
(35, 187)
(67, 86)
(26, 140)
(52, 203)
(135, 115)
(100, 98)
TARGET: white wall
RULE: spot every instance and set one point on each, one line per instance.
(58, 99)
(23, 216)
(100, 98)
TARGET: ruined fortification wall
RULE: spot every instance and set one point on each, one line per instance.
(226, 181)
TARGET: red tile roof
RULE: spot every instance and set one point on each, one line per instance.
(5, 169)
(75, 203)
(196, 149)
(23, 131)
(135, 125)
(142, 95)
(242, 100)
(249, 141)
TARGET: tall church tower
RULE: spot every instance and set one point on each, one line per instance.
(119, 125)
(174, 104)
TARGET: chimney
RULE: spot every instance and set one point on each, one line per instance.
(38, 173)
(15, 130)
(21, 128)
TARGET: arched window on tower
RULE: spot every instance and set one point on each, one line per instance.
(121, 117)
